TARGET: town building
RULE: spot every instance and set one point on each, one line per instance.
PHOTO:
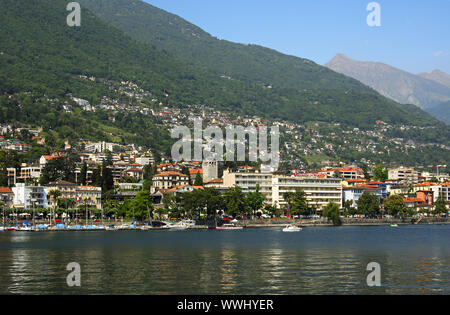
(28, 197)
(406, 175)
(354, 193)
(6, 197)
(193, 172)
(249, 181)
(210, 170)
(346, 172)
(444, 191)
(424, 200)
(90, 196)
(168, 180)
(319, 191)
(182, 189)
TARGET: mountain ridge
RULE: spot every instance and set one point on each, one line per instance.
(394, 83)
(438, 76)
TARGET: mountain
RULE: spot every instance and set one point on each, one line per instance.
(399, 85)
(44, 63)
(441, 111)
(437, 76)
(40, 53)
(171, 33)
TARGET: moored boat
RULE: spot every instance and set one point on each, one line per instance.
(292, 228)
(178, 226)
(229, 227)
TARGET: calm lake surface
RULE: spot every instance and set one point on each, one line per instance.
(413, 259)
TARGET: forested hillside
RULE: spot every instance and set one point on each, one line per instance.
(43, 60)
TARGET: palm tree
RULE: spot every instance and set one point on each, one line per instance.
(287, 197)
(54, 194)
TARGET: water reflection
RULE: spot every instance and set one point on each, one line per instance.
(316, 261)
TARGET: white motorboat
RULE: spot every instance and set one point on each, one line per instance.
(25, 229)
(229, 227)
(292, 228)
(178, 226)
(123, 227)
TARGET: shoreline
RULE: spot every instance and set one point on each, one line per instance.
(250, 225)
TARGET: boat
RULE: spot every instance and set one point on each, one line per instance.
(76, 227)
(394, 225)
(229, 227)
(110, 227)
(181, 226)
(292, 228)
(25, 229)
(189, 223)
(41, 227)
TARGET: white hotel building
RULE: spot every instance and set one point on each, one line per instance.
(319, 191)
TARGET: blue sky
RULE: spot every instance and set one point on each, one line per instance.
(414, 35)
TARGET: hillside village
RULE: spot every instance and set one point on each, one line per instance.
(331, 163)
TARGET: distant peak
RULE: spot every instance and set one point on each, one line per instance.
(437, 71)
(341, 56)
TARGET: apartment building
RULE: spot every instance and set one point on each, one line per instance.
(346, 172)
(29, 172)
(319, 191)
(90, 195)
(444, 190)
(248, 180)
(406, 175)
(355, 192)
(28, 197)
(168, 180)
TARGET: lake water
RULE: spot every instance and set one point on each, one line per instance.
(413, 260)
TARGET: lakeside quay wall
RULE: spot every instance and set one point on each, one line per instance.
(345, 222)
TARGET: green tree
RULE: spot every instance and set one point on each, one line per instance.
(298, 203)
(54, 195)
(380, 173)
(368, 204)
(198, 180)
(213, 200)
(83, 174)
(61, 168)
(139, 208)
(149, 172)
(333, 213)
(394, 205)
(440, 205)
(235, 201)
(255, 200)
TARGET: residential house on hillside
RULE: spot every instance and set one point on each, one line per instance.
(6, 197)
(424, 200)
(168, 180)
(346, 172)
(182, 189)
(354, 193)
(28, 197)
(406, 175)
